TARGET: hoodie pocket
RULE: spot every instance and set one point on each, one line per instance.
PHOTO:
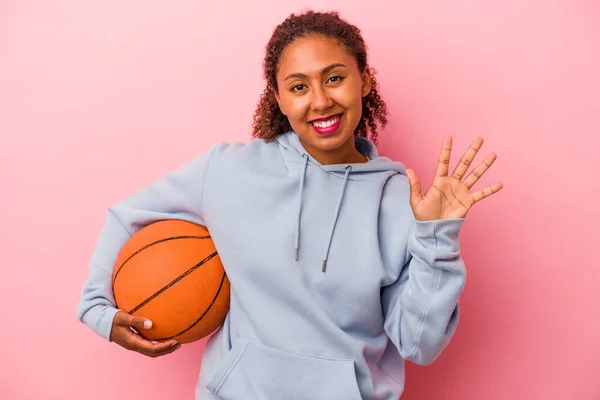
(253, 371)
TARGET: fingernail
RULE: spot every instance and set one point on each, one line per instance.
(174, 344)
(147, 324)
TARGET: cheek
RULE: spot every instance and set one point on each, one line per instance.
(296, 107)
(349, 96)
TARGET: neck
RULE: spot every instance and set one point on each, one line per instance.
(345, 154)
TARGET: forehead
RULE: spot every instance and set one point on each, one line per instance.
(309, 55)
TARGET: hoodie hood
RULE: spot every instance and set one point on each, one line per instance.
(290, 142)
(377, 167)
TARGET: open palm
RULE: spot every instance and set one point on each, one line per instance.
(450, 195)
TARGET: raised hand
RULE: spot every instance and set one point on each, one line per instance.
(450, 195)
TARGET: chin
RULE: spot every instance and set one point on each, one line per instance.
(325, 143)
(332, 141)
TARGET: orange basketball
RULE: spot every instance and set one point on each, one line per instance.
(170, 273)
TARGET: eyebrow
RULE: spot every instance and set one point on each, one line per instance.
(325, 71)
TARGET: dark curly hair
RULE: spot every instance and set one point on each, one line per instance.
(269, 121)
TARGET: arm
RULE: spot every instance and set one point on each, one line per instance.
(177, 195)
(421, 307)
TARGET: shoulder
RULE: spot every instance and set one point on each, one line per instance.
(397, 189)
(395, 203)
(252, 147)
(232, 155)
(400, 181)
(231, 151)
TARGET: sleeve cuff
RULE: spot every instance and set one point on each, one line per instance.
(100, 319)
(439, 233)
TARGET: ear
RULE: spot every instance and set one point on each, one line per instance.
(366, 82)
(276, 94)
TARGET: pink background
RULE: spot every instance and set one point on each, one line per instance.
(99, 98)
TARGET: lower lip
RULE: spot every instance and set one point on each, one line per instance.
(330, 129)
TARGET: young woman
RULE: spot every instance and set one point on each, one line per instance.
(340, 266)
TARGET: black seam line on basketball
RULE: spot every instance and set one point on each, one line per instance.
(152, 244)
(180, 277)
(203, 314)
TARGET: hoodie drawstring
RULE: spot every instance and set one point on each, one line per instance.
(297, 239)
(335, 218)
(337, 213)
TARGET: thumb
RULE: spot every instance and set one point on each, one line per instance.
(139, 323)
(415, 185)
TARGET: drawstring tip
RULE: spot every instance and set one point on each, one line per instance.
(324, 264)
(296, 254)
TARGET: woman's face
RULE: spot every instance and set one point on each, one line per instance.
(320, 90)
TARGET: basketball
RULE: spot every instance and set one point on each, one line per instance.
(170, 272)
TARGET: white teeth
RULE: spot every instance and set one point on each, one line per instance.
(326, 124)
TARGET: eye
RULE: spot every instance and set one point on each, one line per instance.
(335, 79)
(298, 88)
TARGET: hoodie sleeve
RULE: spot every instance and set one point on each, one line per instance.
(421, 307)
(177, 195)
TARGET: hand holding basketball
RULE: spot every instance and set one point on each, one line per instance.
(169, 272)
(124, 336)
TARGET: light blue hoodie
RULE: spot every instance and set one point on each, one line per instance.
(333, 282)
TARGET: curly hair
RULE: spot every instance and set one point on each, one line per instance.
(269, 122)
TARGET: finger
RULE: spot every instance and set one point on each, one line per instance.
(147, 347)
(486, 192)
(467, 158)
(479, 171)
(123, 318)
(161, 349)
(167, 351)
(415, 186)
(139, 323)
(444, 158)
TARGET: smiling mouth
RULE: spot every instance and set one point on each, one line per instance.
(327, 126)
(324, 123)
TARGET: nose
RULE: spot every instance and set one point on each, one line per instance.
(320, 99)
